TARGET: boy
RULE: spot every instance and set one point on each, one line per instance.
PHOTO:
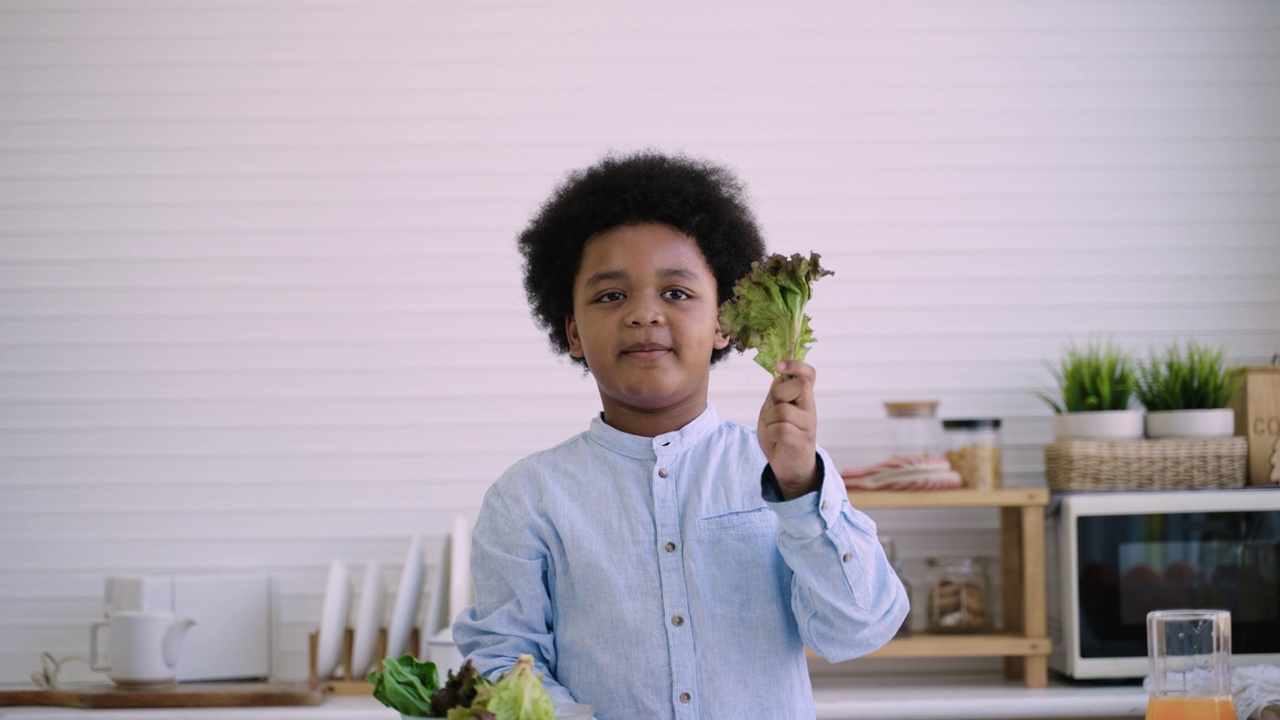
(666, 563)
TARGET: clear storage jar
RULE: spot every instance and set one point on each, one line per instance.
(973, 449)
(913, 429)
(891, 552)
(958, 594)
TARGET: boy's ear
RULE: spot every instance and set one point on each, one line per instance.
(575, 342)
(722, 340)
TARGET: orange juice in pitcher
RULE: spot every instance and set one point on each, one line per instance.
(1184, 708)
(1190, 659)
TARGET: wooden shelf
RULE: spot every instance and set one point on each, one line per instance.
(905, 499)
(1024, 644)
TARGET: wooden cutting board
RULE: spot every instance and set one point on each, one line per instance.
(182, 695)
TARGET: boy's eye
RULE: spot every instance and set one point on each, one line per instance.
(611, 296)
(675, 294)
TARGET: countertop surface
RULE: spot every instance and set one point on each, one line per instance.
(836, 698)
(966, 697)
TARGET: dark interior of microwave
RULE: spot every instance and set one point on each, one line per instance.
(1132, 564)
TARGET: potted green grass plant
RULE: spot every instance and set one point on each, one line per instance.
(1186, 391)
(1095, 387)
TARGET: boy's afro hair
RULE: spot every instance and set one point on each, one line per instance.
(698, 198)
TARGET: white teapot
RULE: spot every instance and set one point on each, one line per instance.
(142, 647)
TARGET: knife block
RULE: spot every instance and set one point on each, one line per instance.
(344, 683)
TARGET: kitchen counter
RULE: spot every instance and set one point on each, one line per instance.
(836, 698)
(970, 697)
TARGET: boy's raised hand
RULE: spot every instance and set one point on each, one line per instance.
(788, 428)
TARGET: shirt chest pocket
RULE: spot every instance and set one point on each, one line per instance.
(740, 569)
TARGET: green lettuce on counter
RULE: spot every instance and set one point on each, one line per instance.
(413, 689)
(518, 695)
(406, 685)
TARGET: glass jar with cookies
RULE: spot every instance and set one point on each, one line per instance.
(958, 595)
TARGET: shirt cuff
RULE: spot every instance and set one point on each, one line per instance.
(812, 513)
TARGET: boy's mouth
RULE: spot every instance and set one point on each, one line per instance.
(646, 351)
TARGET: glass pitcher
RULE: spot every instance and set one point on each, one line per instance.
(1190, 656)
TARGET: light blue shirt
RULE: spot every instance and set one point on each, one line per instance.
(662, 578)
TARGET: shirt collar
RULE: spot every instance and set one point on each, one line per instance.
(646, 448)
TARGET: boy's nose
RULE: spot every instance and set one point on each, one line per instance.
(645, 313)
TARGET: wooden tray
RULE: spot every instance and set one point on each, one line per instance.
(181, 695)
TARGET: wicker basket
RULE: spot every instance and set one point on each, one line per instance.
(1164, 464)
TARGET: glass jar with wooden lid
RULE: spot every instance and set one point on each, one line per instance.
(913, 429)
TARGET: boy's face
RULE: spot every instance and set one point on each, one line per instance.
(645, 319)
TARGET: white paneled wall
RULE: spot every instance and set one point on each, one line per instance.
(260, 304)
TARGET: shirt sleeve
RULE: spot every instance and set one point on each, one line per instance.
(846, 597)
(512, 612)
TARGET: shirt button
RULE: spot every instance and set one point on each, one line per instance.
(662, 472)
(823, 506)
(671, 547)
(847, 557)
(685, 697)
(677, 620)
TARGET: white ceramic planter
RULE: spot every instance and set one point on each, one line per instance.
(1100, 425)
(1218, 422)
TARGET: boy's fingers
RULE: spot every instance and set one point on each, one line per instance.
(787, 415)
(786, 434)
(795, 368)
(769, 401)
(797, 390)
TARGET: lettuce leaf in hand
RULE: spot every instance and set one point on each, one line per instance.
(406, 685)
(766, 311)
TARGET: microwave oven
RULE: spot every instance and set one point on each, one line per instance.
(1112, 557)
